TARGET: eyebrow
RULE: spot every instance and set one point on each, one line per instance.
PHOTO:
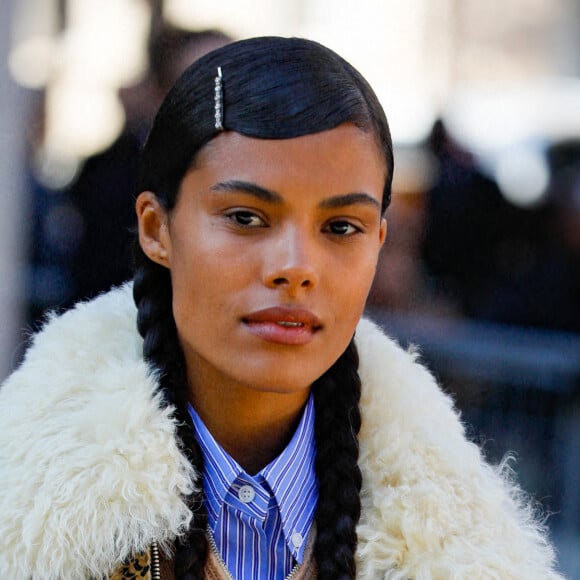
(249, 188)
(270, 196)
(349, 199)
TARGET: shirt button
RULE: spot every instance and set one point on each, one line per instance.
(246, 493)
(297, 539)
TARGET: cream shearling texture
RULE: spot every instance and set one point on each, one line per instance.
(91, 470)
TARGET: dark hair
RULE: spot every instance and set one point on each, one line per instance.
(273, 88)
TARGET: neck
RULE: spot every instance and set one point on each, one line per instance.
(253, 426)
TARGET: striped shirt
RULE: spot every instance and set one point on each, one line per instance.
(260, 523)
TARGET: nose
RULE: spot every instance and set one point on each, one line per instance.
(291, 261)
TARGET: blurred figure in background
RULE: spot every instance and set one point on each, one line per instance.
(445, 233)
(537, 281)
(458, 247)
(82, 235)
(465, 222)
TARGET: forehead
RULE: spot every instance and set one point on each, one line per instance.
(345, 156)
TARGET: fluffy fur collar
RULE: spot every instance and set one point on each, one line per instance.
(90, 470)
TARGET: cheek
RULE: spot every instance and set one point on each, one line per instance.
(349, 296)
(358, 280)
(194, 278)
(207, 277)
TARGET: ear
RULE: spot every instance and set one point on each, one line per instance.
(383, 231)
(152, 220)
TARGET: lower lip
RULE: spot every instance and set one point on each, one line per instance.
(290, 335)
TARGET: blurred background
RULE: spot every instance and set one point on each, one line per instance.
(481, 268)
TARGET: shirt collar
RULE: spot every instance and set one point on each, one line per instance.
(290, 476)
(219, 469)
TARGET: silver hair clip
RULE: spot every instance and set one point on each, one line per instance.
(219, 100)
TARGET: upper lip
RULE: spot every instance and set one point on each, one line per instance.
(285, 314)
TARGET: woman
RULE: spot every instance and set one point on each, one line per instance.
(238, 435)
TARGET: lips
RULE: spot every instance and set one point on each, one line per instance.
(280, 325)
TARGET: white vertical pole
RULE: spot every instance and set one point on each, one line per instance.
(13, 204)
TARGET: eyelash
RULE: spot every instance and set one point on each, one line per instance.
(354, 229)
(243, 219)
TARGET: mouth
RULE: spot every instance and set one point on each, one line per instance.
(289, 324)
(282, 325)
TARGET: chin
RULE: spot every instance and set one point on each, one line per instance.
(284, 383)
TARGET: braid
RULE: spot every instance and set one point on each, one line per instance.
(153, 296)
(338, 421)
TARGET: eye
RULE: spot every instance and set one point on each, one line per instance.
(246, 219)
(342, 228)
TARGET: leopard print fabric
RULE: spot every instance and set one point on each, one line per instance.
(136, 568)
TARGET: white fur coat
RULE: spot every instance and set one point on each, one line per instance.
(90, 470)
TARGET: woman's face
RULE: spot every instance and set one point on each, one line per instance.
(272, 247)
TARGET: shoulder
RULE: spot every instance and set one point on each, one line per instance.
(83, 431)
(103, 324)
(83, 358)
(429, 499)
(400, 395)
(411, 433)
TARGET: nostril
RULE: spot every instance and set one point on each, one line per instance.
(292, 280)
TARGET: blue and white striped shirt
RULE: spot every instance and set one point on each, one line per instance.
(260, 523)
